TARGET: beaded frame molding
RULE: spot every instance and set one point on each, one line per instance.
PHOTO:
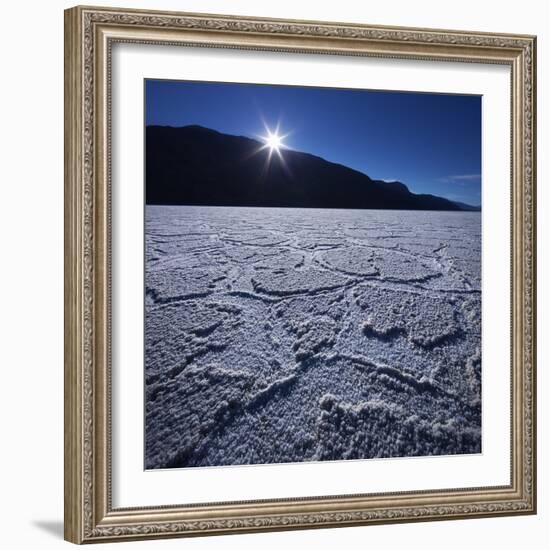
(89, 36)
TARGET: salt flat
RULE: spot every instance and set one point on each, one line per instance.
(288, 335)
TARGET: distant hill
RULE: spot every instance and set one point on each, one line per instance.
(197, 166)
(468, 207)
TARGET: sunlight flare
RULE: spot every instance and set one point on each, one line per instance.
(274, 141)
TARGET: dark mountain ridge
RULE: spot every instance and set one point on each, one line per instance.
(193, 165)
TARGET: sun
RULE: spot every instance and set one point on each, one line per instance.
(274, 141)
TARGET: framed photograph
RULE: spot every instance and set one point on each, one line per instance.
(300, 274)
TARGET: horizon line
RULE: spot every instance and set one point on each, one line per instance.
(318, 207)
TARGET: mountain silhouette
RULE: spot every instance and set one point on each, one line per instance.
(193, 165)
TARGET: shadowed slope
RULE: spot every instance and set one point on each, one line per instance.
(193, 165)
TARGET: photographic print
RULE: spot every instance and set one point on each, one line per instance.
(312, 274)
(273, 300)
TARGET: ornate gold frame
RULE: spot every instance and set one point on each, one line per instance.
(89, 35)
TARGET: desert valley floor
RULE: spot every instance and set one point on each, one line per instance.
(288, 335)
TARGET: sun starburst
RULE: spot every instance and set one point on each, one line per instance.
(274, 141)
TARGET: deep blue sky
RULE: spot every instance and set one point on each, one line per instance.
(430, 142)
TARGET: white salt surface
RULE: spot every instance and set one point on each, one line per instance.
(289, 335)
